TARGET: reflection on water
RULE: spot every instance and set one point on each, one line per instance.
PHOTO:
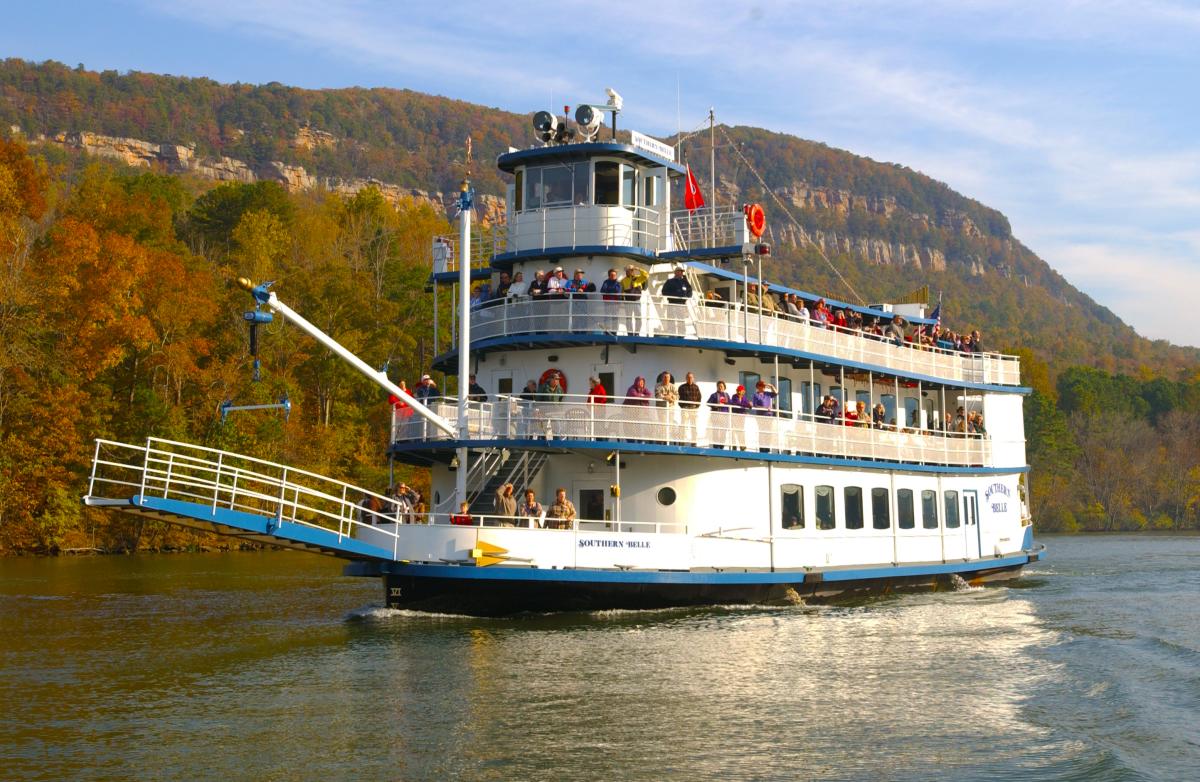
(272, 666)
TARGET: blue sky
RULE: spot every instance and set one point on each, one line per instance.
(1077, 118)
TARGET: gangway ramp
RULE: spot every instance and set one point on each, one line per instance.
(240, 496)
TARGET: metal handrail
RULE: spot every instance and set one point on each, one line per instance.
(573, 418)
(656, 315)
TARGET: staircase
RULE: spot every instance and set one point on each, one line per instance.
(520, 472)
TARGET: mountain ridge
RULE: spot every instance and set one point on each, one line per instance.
(885, 227)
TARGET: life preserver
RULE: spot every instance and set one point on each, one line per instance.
(756, 219)
(545, 378)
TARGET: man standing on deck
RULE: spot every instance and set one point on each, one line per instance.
(689, 401)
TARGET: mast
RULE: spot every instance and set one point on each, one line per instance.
(464, 332)
(712, 175)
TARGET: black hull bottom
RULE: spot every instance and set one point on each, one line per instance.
(500, 598)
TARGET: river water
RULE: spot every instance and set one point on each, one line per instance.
(271, 666)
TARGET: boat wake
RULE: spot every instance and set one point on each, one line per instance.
(378, 613)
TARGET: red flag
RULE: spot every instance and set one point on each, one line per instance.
(693, 199)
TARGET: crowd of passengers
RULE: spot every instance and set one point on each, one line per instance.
(688, 397)
(555, 284)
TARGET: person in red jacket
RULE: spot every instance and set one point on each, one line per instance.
(597, 395)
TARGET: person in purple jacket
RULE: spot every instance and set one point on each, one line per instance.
(763, 400)
(639, 396)
(739, 404)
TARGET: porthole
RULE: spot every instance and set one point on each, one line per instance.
(666, 496)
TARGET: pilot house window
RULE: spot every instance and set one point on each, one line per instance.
(608, 183)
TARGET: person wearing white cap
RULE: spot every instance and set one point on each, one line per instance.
(556, 285)
(426, 389)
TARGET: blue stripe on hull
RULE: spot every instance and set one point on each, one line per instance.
(508, 573)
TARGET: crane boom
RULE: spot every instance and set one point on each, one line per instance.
(264, 296)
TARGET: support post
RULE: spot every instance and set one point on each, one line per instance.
(464, 333)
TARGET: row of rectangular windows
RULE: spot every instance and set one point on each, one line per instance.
(792, 508)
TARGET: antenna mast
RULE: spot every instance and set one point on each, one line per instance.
(712, 207)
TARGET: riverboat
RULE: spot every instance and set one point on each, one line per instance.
(674, 502)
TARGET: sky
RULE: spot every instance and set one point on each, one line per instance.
(1075, 118)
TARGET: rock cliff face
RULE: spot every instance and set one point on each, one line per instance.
(178, 158)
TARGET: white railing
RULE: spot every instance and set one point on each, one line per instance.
(444, 253)
(584, 226)
(650, 316)
(639, 420)
(220, 479)
(698, 229)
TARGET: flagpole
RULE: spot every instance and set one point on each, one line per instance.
(712, 149)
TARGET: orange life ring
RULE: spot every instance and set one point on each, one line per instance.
(545, 378)
(756, 219)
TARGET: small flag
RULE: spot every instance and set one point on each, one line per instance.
(693, 199)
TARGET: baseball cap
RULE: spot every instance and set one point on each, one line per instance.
(741, 389)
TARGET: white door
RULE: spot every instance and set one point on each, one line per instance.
(970, 523)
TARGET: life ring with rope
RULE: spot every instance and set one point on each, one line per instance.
(756, 219)
(551, 372)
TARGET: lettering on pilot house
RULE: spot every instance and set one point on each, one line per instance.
(998, 505)
(602, 543)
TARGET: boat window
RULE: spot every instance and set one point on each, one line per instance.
(951, 509)
(904, 509)
(854, 507)
(650, 191)
(889, 408)
(825, 507)
(628, 186)
(930, 413)
(837, 393)
(792, 506)
(929, 519)
(582, 185)
(785, 394)
(666, 496)
(864, 397)
(519, 190)
(911, 417)
(881, 517)
(749, 380)
(810, 394)
(557, 182)
(608, 182)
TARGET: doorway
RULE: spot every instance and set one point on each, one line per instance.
(971, 523)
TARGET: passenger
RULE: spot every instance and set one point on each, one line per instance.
(863, 415)
(752, 300)
(551, 390)
(850, 418)
(426, 389)
(402, 508)
(804, 313)
(976, 344)
(979, 428)
(505, 504)
(789, 305)
(556, 283)
(562, 513)
(475, 392)
(539, 286)
(879, 415)
(718, 427)
(579, 285)
(503, 286)
(531, 508)
(839, 319)
(689, 401)
(763, 400)
(895, 330)
(519, 287)
(370, 510)
(637, 394)
(767, 298)
(827, 412)
(820, 314)
(597, 395)
(610, 289)
(665, 391)
(634, 282)
(677, 289)
(463, 517)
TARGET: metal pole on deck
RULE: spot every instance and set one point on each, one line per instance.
(464, 332)
(712, 149)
